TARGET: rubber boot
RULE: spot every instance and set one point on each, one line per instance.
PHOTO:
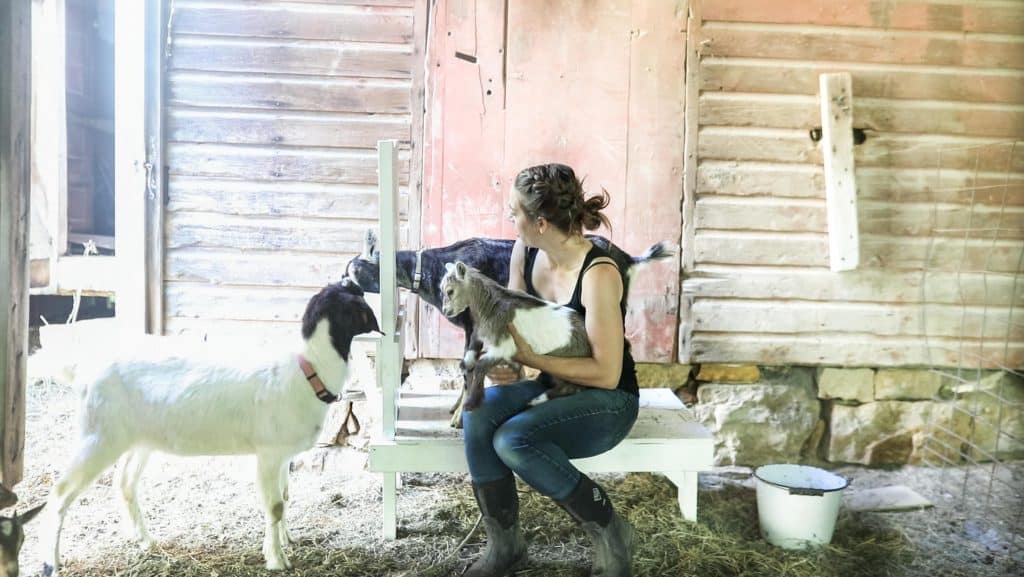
(506, 547)
(610, 534)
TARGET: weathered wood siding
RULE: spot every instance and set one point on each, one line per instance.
(598, 85)
(274, 110)
(939, 87)
(15, 198)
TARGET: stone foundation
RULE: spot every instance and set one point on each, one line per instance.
(874, 417)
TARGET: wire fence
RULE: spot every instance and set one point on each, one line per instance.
(975, 437)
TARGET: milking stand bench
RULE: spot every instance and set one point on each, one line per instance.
(415, 434)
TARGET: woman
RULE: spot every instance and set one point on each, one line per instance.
(505, 435)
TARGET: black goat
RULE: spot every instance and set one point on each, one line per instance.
(490, 256)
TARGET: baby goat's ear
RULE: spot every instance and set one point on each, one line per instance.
(460, 270)
(449, 267)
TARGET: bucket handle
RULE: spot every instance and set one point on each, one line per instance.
(806, 491)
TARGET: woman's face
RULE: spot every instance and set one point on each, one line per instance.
(526, 227)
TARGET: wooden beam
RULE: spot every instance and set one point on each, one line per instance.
(389, 352)
(153, 275)
(389, 347)
(418, 136)
(15, 200)
(691, 166)
(49, 228)
(840, 182)
(130, 162)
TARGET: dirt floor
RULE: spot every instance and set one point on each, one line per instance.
(203, 515)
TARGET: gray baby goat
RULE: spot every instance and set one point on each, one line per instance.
(549, 328)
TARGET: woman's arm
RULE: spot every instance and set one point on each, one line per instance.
(602, 291)
(504, 374)
(516, 266)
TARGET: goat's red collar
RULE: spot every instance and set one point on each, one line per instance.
(319, 389)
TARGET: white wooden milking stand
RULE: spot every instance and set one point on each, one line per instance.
(415, 434)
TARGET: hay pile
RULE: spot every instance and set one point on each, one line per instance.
(725, 542)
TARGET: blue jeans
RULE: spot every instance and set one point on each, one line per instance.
(504, 434)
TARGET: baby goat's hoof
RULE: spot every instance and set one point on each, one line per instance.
(49, 570)
(278, 564)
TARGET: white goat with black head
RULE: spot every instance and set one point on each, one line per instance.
(268, 403)
(549, 328)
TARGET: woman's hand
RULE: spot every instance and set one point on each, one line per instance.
(524, 352)
(503, 374)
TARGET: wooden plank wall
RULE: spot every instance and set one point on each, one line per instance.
(598, 85)
(274, 110)
(939, 87)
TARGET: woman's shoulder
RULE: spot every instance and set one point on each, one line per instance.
(597, 255)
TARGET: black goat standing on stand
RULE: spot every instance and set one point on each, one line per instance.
(421, 271)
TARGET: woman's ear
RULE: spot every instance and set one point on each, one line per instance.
(542, 224)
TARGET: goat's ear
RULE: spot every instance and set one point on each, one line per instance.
(30, 514)
(370, 322)
(460, 270)
(449, 266)
(370, 251)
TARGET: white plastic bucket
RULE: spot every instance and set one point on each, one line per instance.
(798, 505)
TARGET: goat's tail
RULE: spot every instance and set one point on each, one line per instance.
(657, 251)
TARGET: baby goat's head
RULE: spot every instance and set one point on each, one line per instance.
(364, 269)
(342, 306)
(454, 288)
(12, 536)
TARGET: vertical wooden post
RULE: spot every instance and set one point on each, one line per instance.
(15, 200)
(49, 224)
(388, 356)
(130, 163)
(417, 139)
(153, 276)
(691, 122)
(389, 347)
(840, 183)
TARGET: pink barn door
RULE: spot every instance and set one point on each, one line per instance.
(595, 84)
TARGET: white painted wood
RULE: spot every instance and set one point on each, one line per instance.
(390, 346)
(389, 504)
(129, 162)
(154, 238)
(666, 438)
(389, 353)
(840, 183)
(95, 275)
(686, 485)
(49, 139)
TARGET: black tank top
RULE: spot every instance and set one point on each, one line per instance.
(627, 380)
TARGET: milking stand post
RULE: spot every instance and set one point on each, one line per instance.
(391, 343)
